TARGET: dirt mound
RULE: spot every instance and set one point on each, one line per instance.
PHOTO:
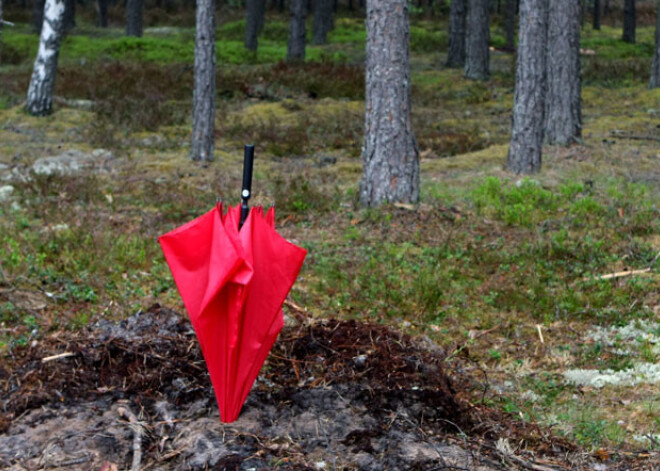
(333, 395)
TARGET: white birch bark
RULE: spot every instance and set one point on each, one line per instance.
(40, 92)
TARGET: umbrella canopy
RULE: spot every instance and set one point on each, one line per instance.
(233, 284)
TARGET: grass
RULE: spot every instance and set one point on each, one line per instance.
(484, 264)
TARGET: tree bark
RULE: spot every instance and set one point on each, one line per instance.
(102, 6)
(629, 21)
(69, 15)
(322, 23)
(477, 55)
(1, 25)
(457, 26)
(655, 68)
(597, 14)
(297, 34)
(202, 142)
(40, 91)
(563, 113)
(254, 21)
(529, 98)
(38, 15)
(390, 156)
(510, 24)
(134, 17)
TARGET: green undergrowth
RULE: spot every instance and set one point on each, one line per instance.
(481, 266)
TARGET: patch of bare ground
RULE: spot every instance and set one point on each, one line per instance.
(333, 395)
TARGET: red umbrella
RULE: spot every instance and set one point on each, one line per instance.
(233, 283)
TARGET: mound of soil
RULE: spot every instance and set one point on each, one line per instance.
(333, 395)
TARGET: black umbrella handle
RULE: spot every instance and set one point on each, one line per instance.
(246, 191)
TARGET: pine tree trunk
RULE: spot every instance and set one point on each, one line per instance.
(477, 55)
(102, 6)
(40, 91)
(596, 15)
(510, 25)
(134, 18)
(1, 25)
(254, 21)
(38, 15)
(390, 156)
(529, 97)
(202, 142)
(655, 68)
(69, 15)
(629, 21)
(322, 23)
(606, 9)
(297, 35)
(457, 19)
(563, 100)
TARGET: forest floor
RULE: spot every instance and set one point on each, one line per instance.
(520, 316)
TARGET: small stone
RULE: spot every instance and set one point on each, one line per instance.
(5, 193)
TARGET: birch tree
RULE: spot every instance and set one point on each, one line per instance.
(526, 145)
(390, 156)
(40, 91)
(202, 143)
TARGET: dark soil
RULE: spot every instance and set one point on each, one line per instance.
(333, 395)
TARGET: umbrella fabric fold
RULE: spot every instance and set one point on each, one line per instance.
(233, 284)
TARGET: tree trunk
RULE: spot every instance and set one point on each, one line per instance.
(629, 21)
(655, 68)
(254, 21)
(510, 24)
(606, 9)
(563, 114)
(457, 18)
(102, 6)
(38, 15)
(134, 18)
(476, 43)
(322, 21)
(390, 156)
(40, 92)
(1, 25)
(597, 14)
(297, 35)
(201, 147)
(69, 15)
(529, 97)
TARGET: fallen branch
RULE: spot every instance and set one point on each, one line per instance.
(137, 438)
(57, 357)
(8, 23)
(620, 274)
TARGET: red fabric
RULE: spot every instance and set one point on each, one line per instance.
(233, 284)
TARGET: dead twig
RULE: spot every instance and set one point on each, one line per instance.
(57, 357)
(137, 437)
(621, 274)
